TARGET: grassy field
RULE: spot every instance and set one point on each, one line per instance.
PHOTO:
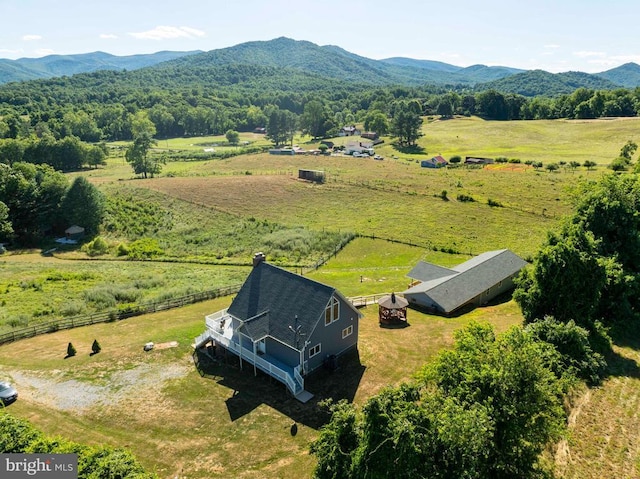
(208, 426)
(178, 422)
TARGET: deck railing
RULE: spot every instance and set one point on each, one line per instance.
(294, 383)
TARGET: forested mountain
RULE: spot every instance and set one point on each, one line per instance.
(61, 65)
(287, 61)
(541, 83)
(627, 75)
(423, 64)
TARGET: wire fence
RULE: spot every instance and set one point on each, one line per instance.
(114, 315)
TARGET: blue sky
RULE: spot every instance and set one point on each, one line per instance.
(558, 35)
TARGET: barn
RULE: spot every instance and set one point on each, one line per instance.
(449, 291)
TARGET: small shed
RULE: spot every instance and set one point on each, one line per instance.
(74, 232)
(392, 310)
(312, 175)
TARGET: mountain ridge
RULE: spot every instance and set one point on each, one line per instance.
(329, 61)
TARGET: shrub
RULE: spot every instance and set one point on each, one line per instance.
(515, 160)
(465, 198)
(619, 164)
(71, 351)
(502, 159)
(96, 247)
(455, 159)
(573, 345)
(494, 203)
(95, 347)
(144, 248)
(123, 249)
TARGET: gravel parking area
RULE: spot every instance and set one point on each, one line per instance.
(71, 394)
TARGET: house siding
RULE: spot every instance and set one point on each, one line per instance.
(330, 337)
(283, 352)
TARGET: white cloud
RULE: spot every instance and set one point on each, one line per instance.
(586, 54)
(164, 32)
(108, 36)
(615, 60)
(43, 52)
(552, 46)
(11, 52)
(31, 38)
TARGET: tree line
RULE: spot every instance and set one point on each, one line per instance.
(103, 105)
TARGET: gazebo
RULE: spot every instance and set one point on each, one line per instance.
(392, 310)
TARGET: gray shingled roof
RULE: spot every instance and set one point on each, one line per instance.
(470, 279)
(424, 271)
(271, 298)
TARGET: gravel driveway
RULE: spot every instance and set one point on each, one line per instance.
(71, 394)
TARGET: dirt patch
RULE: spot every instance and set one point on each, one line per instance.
(170, 344)
(56, 392)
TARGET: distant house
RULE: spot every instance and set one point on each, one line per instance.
(260, 130)
(476, 160)
(435, 162)
(284, 324)
(361, 147)
(349, 131)
(74, 233)
(370, 135)
(472, 283)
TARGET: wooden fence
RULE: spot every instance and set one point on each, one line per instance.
(114, 315)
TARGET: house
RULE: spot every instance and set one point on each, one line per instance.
(260, 130)
(350, 130)
(74, 233)
(472, 283)
(284, 324)
(435, 162)
(370, 135)
(361, 147)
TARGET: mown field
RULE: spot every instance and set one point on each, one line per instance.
(203, 212)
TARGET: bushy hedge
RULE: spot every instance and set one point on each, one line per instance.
(19, 436)
(486, 408)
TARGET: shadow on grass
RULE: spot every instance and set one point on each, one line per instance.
(254, 388)
(624, 335)
(410, 149)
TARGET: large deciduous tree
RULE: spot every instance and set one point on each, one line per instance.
(315, 120)
(281, 126)
(137, 154)
(84, 205)
(590, 270)
(405, 125)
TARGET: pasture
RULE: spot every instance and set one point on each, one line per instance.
(180, 423)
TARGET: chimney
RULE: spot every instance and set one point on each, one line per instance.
(393, 298)
(258, 258)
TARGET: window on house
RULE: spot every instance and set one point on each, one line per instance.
(315, 350)
(332, 313)
(347, 331)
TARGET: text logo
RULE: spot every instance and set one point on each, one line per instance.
(45, 466)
